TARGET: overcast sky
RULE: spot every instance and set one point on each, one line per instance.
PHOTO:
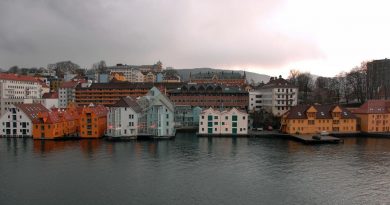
(263, 36)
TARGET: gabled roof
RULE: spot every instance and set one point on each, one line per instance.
(128, 102)
(32, 110)
(69, 84)
(374, 107)
(98, 110)
(16, 77)
(278, 83)
(323, 112)
(48, 118)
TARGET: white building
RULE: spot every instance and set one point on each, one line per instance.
(131, 74)
(67, 93)
(157, 114)
(227, 122)
(15, 88)
(49, 100)
(17, 120)
(123, 119)
(276, 97)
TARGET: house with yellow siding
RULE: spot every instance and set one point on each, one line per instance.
(312, 119)
(374, 116)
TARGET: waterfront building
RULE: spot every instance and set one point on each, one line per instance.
(158, 114)
(276, 97)
(378, 79)
(311, 119)
(48, 125)
(17, 120)
(171, 78)
(123, 118)
(149, 77)
(109, 93)
(226, 122)
(14, 89)
(93, 121)
(134, 73)
(222, 77)
(187, 116)
(209, 95)
(374, 116)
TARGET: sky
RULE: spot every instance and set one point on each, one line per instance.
(263, 36)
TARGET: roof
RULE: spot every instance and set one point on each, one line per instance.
(98, 110)
(278, 83)
(16, 77)
(51, 95)
(49, 117)
(323, 112)
(225, 111)
(219, 75)
(128, 102)
(373, 107)
(208, 88)
(32, 110)
(70, 84)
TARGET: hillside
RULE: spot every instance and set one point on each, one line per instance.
(185, 73)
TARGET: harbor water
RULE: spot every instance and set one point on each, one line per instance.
(191, 170)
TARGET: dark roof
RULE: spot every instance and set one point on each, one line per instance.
(278, 83)
(219, 75)
(374, 107)
(69, 84)
(208, 88)
(323, 112)
(125, 85)
(51, 95)
(128, 102)
(32, 110)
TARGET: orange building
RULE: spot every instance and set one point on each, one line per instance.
(306, 119)
(374, 116)
(116, 76)
(48, 125)
(93, 121)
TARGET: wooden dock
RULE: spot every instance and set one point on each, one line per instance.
(309, 139)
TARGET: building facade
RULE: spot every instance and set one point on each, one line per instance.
(227, 122)
(374, 116)
(14, 89)
(312, 119)
(123, 119)
(158, 114)
(93, 121)
(378, 79)
(276, 97)
(209, 95)
(67, 93)
(187, 116)
(223, 77)
(17, 120)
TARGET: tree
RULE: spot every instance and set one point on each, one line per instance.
(13, 69)
(100, 67)
(305, 86)
(63, 67)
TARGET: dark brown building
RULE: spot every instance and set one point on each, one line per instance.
(378, 79)
(109, 93)
(209, 95)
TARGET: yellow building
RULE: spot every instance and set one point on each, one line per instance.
(374, 116)
(306, 119)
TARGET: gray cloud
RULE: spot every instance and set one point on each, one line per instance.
(222, 33)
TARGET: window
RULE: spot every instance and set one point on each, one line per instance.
(215, 123)
(234, 118)
(234, 124)
(243, 117)
(226, 117)
(167, 116)
(201, 123)
(167, 123)
(210, 117)
(210, 124)
(215, 129)
(202, 129)
(223, 123)
(215, 117)
(226, 129)
(202, 117)
(131, 116)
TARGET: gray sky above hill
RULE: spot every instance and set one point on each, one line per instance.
(264, 36)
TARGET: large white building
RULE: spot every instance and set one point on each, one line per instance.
(17, 120)
(276, 97)
(131, 73)
(14, 89)
(227, 122)
(123, 119)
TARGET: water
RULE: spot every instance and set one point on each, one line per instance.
(189, 170)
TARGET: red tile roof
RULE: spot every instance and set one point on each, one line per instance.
(49, 118)
(52, 95)
(99, 110)
(70, 84)
(32, 110)
(16, 77)
(374, 107)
